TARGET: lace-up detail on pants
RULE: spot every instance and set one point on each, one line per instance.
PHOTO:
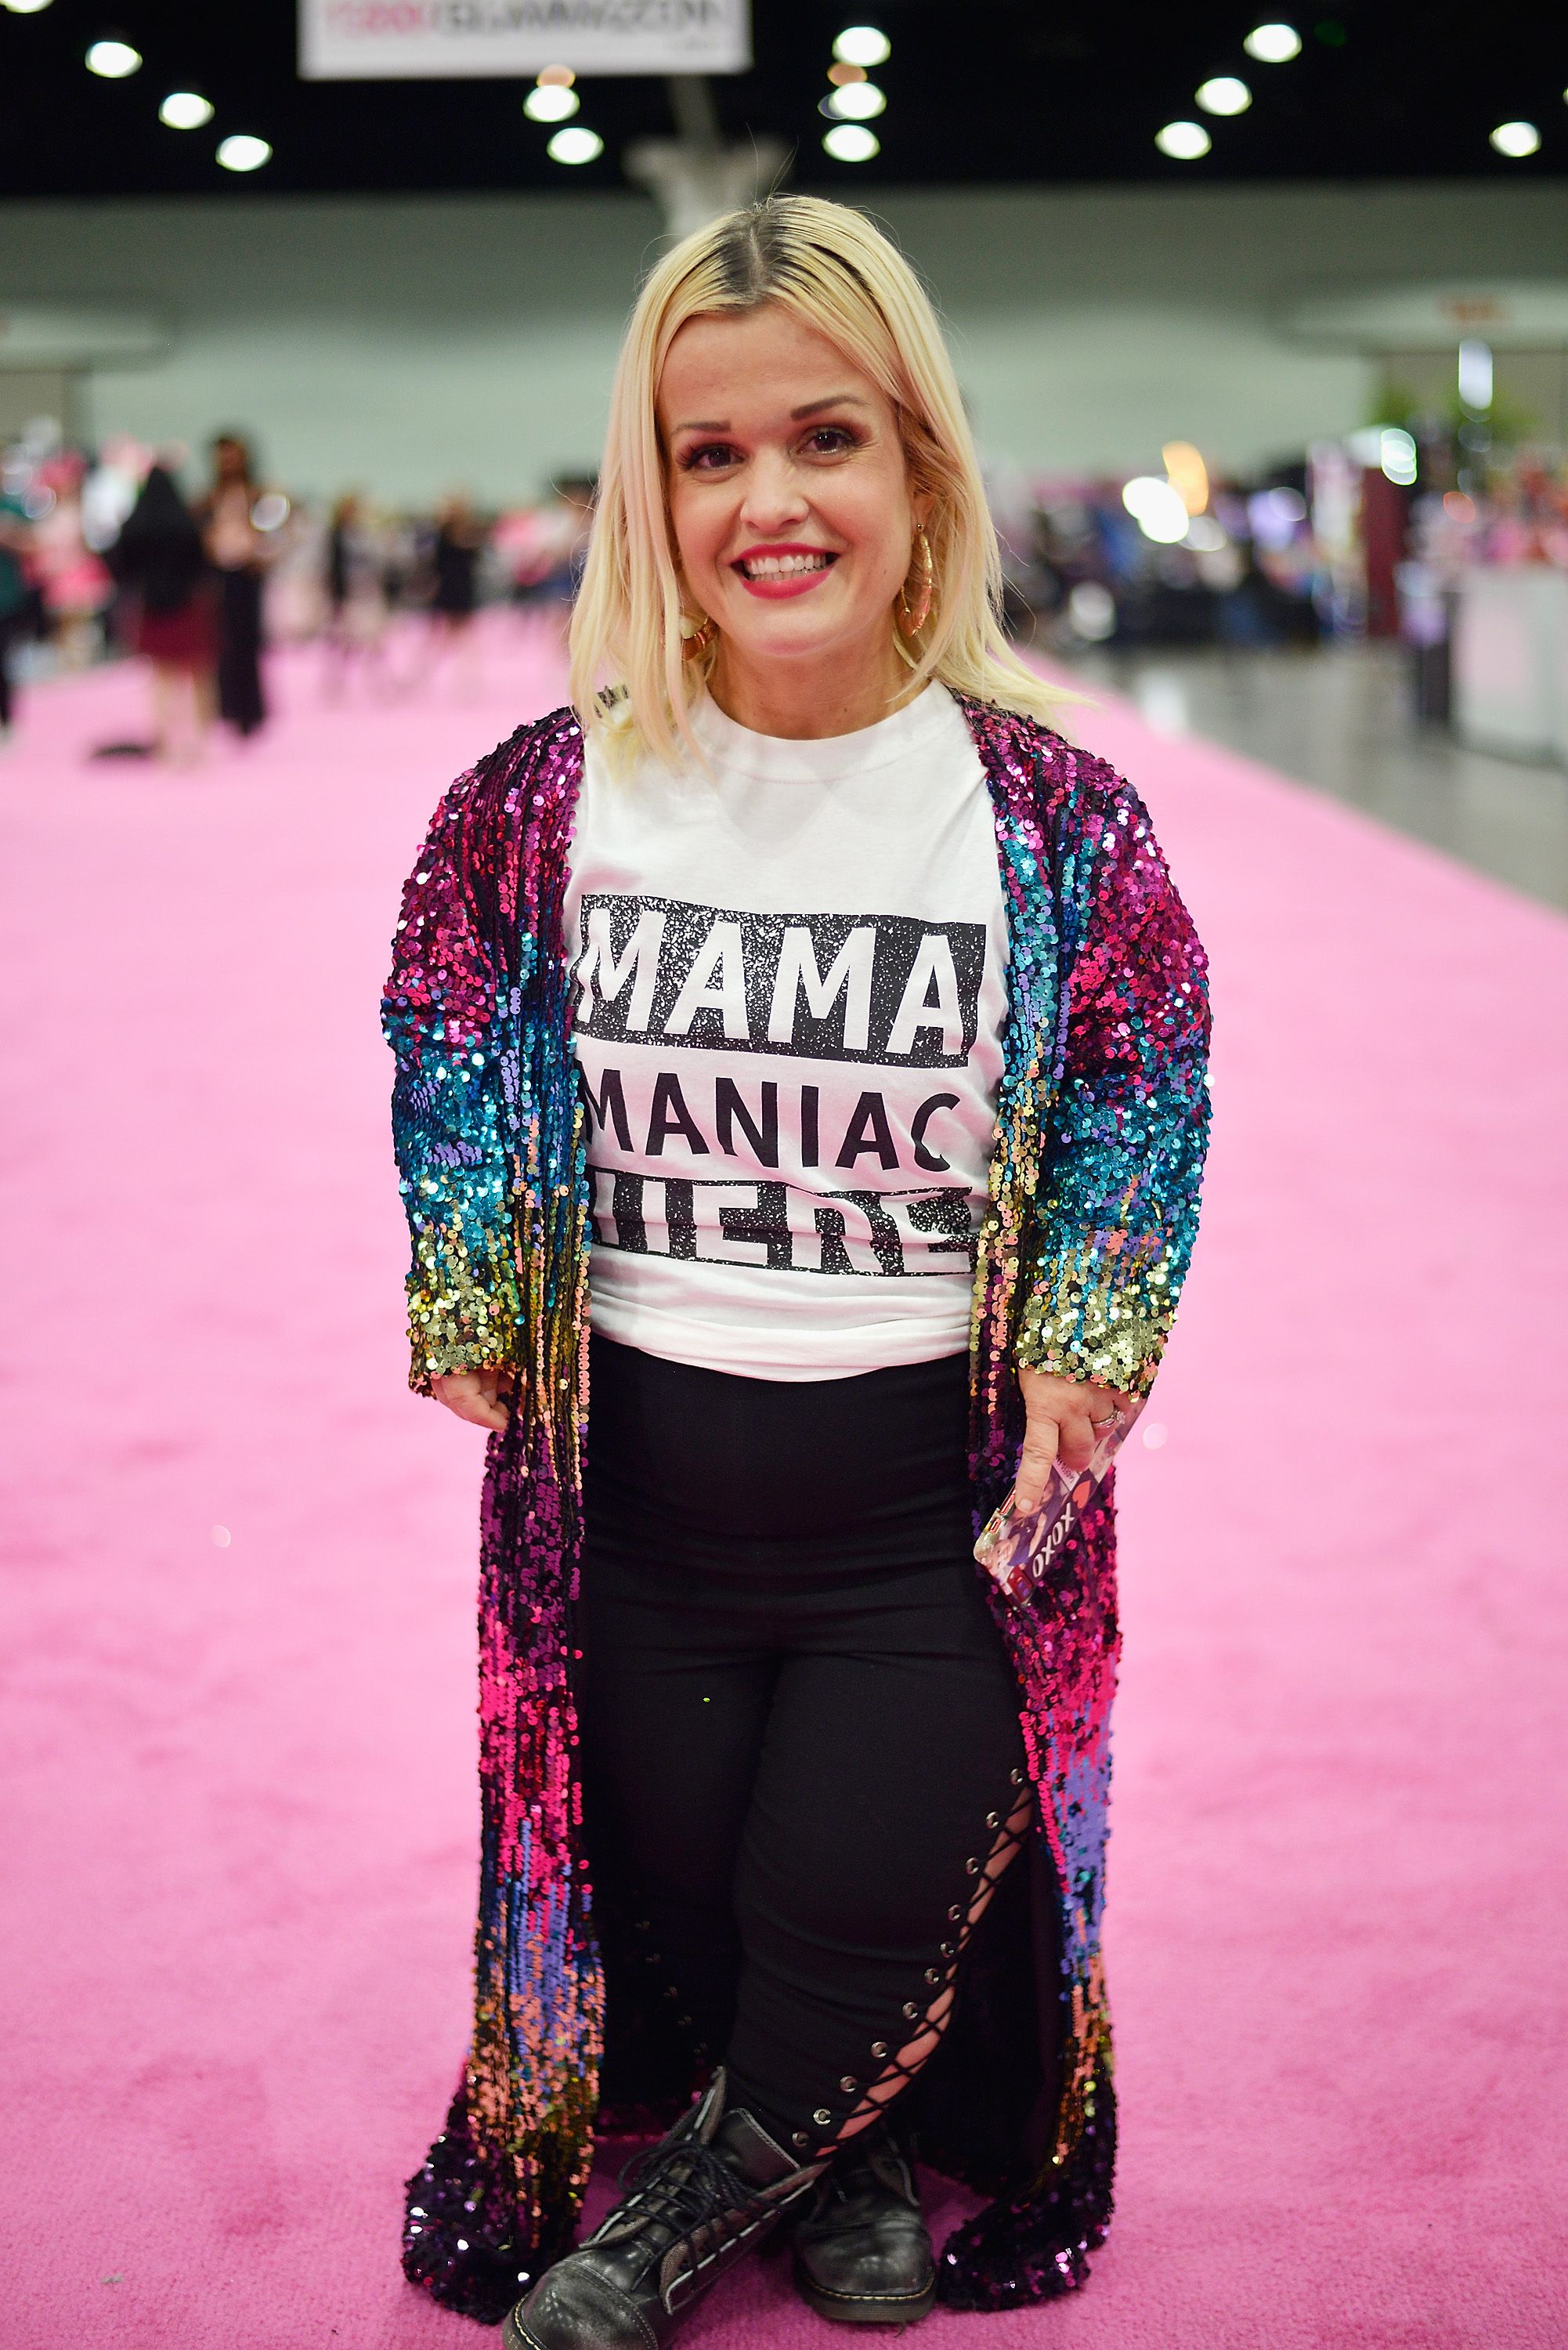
(900, 2065)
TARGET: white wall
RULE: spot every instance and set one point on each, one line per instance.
(410, 343)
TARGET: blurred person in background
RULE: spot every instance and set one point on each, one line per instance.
(342, 525)
(573, 514)
(160, 563)
(543, 548)
(75, 584)
(14, 598)
(455, 550)
(401, 561)
(112, 484)
(851, 1232)
(237, 552)
(352, 585)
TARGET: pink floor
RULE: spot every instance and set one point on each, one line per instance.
(238, 1737)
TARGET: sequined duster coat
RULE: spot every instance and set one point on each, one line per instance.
(1101, 1128)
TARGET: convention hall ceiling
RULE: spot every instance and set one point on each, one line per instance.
(1000, 91)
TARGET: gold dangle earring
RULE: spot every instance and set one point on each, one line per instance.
(693, 647)
(912, 617)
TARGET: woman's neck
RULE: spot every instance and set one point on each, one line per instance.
(804, 701)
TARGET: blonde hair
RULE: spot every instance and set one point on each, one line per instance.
(837, 273)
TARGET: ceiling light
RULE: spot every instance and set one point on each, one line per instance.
(1396, 455)
(850, 142)
(1184, 141)
(25, 8)
(1224, 95)
(113, 60)
(1274, 45)
(1516, 138)
(183, 110)
(241, 152)
(861, 101)
(577, 145)
(1475, 375)
(1157, 509)
(1187, 474)
(862, 45)
(1205, 536)
(554, 77)
(551, 103)
(840, 74)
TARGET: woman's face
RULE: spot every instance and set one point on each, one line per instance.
(788, 490)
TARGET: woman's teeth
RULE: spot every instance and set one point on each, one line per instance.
(782, 566)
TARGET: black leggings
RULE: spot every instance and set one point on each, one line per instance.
(803, 1766)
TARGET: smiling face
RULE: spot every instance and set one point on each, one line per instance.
(791, 505)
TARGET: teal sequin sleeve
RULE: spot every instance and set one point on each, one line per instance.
(1114, 1217)
(449, 1014)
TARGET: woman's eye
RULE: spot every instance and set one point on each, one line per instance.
(707, 457)
(830, 440)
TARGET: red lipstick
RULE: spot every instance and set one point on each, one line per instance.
(782, 567)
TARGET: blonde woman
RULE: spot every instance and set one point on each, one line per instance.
(800, 1055)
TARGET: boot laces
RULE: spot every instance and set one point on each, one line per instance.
(677, 2189)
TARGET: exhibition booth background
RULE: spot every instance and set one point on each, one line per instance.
(402, 344)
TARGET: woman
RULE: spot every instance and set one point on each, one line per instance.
(15, 538)
(236, 550)
(455, 550)
(73, 584)
(848, 1017)
(351, 581)
(158, 559)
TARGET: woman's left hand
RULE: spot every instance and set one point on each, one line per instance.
(1062, 1413)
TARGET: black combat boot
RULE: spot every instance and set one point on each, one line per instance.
(701, 2198)
(861, 2252)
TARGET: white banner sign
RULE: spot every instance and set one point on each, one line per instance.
(437, 41)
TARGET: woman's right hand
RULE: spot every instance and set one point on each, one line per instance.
(478, 1396)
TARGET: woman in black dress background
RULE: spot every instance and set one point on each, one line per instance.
(234, 549)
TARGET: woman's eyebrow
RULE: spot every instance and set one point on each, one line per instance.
(834, 400)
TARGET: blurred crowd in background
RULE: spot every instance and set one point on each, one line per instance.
(195, 565)
(126, 551)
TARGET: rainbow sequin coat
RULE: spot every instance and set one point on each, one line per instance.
(1101, 1129)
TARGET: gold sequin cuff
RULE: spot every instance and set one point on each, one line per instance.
(1090, 1317)
(458, 1320)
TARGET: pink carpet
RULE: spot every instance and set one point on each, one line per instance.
(239, 1731)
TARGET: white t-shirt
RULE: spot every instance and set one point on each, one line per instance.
(788, 989)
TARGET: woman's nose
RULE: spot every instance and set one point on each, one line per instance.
(776, 496)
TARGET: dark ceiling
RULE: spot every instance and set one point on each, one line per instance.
(993, 91)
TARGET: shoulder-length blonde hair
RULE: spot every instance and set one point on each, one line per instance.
(828, 265)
